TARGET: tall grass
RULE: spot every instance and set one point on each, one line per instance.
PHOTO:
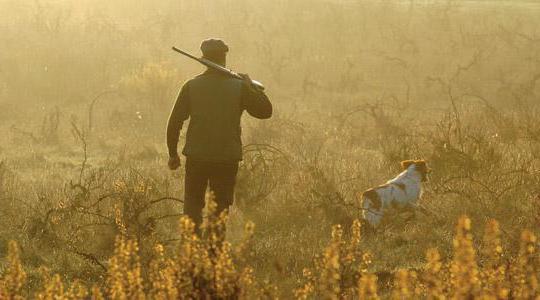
(208, 267)
(85, 91)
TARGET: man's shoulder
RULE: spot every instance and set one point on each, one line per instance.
(191, 81)
(205, 77)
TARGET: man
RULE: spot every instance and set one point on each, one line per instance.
(214, 103)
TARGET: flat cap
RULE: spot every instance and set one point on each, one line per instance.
(213, 46)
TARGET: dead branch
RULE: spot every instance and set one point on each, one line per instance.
(82, 138)
(93, 103)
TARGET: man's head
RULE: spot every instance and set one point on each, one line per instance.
(215, 50)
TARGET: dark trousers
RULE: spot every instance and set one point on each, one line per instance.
(221, 177)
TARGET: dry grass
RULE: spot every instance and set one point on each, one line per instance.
(357, 86)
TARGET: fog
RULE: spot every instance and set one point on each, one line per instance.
(86, 88)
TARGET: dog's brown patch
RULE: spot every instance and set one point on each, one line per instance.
(372, 195)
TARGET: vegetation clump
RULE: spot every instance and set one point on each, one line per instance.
(208, 267)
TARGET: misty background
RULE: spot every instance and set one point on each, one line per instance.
(86, 88)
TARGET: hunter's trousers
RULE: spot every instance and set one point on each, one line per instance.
(220, 177)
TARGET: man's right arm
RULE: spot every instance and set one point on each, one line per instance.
(254, 101)
(179, 114)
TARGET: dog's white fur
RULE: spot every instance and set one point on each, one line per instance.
(401, 192)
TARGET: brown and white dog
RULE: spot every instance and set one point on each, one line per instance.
(402, 192)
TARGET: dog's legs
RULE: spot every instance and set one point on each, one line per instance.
(411, 211)
(371, 212)
(367, 230)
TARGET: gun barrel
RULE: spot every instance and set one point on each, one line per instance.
(215, 66)
(185, 53)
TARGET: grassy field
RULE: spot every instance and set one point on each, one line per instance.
(85, 92)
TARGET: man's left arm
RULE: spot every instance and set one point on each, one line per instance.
(179, 114)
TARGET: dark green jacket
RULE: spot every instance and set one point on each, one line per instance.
(214, 103)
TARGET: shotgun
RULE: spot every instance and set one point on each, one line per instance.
(220, 68)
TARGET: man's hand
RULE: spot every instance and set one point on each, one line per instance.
(174, 162)
(247, 81)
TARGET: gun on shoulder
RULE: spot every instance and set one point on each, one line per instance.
(217, 67)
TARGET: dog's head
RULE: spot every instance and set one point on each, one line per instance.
(419, 165)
